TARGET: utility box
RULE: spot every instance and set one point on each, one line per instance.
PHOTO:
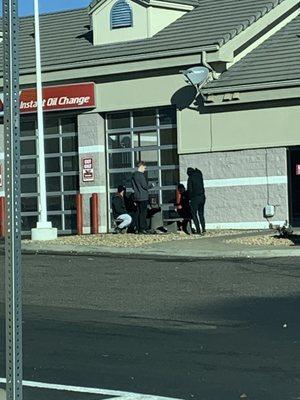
(269, 211)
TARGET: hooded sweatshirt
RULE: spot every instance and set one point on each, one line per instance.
(195, 185)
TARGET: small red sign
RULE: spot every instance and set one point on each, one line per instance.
(58, 98)
(87, 170)
(297, 169)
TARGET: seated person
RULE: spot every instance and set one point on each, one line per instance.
(119, 210)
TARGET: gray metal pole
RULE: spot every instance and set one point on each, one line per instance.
(13, 278)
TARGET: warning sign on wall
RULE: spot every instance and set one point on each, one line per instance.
(87, 170)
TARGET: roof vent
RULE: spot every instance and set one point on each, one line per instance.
(121, 15)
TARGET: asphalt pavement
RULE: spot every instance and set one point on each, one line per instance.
(187, 329)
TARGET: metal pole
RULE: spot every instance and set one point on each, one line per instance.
(41, 149)
(13, 276)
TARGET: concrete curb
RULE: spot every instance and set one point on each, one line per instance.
(157, 253)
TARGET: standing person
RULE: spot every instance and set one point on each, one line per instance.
(183, 207)
(141, 196)
(119, 210)
(196, 193)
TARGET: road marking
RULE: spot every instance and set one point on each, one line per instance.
(118, 395)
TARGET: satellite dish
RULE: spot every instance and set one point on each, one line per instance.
(196, 76)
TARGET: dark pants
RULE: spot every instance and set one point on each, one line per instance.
(142, 215)
(197, 210)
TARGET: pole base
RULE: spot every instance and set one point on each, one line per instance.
(43, 231)
(2, 394)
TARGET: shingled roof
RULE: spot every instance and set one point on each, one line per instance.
(66, 39)
(275, 61)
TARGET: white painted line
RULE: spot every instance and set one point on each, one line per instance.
(243, 225)
(120, 395)
(98, 148)
(249, 181)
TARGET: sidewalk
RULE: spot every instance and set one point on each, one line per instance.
(218, 246)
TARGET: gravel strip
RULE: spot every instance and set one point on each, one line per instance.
(130, 240)
(264, 240)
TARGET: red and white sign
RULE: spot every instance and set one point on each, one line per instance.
(87, 170)
(297, 169)
(57, 98)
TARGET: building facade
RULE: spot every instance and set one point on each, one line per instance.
(114, 94)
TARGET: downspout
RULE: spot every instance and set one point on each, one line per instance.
(205, 63)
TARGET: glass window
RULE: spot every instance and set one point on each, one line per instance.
(29, 204)
(28, 185)
(144, 118)
(52, 145)
(28, 148)
(69, 125)
(167, 116)
(120, 178)
(52, 164)
(28, 166)
(53, 203)
(70, 163)
(71, 222)
(29, 222)
(169, 196)
(118, 120)
(169, 157)
(152, 176)
(120, 160)
(119, 141)
(27, 127)
(70, 202)
(51, 126)
(70, 144)
(168, 136)
(53, 184)
(169, 177)
(56, 221)
(150, 157)
(144, 139)
(71, 183)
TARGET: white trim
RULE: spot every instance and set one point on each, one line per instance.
(2, 156)
(243, 225)
(77, 389)
(250, 181)
(92, 189)
(97, 148)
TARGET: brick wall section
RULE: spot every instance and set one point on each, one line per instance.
(241, 204)
(91, 132)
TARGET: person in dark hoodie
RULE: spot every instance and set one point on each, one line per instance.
(119, 210)
(196, 191)
(141, 196)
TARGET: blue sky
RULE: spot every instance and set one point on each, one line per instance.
(26, 6)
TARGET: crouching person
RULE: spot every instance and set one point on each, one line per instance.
(120, 213)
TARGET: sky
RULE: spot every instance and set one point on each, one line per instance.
(26, 6)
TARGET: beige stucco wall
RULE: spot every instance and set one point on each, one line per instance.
(137, 93)
(240, 129)
(147, 21)
(159, 18)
